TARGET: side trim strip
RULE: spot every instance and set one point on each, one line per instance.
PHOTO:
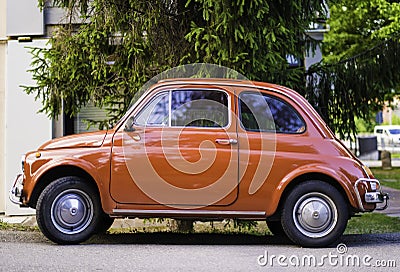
(190, 212)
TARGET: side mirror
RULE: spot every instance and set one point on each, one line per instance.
(129, 125)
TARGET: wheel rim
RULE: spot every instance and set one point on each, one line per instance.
(72, 211)
(315, 215)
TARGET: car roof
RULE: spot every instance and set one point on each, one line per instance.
(227, 82)
(232, 83)
(287, 92)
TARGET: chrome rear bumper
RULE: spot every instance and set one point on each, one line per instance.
(374, 197)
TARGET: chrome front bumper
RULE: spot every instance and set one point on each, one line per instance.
(374, 197)
(15, 193)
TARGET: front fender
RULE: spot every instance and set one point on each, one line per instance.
(41, 169)
(85, 166)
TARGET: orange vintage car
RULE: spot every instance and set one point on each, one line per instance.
(206, 149)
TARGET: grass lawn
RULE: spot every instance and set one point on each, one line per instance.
(373, 223)
(389, 178)
(395, 155)
(7, 226)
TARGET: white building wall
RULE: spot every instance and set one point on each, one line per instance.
(22, 129)
(3, 47)
(24, 18)
(26, 129)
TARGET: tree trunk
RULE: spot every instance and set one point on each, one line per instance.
(182, 225)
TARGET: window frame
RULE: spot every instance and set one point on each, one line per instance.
(273, 97)
(142, 109)
(169, 125)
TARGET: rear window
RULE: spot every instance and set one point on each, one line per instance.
(266, 113)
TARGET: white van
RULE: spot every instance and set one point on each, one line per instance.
(387, 135)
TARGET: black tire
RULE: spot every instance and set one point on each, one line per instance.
(314, 214)
(276, 228)
(68, 210)
(105, 223)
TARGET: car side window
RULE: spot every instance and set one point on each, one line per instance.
(155, 113)
(199, 108)
(261, 112)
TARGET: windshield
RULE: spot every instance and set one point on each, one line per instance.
(136, 98)
(394, 131)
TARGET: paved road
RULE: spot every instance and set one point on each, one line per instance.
(30, 251)
(394, 202)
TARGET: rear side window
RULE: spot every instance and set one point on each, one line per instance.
(266, 113)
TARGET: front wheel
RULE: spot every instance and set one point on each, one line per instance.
(68, 210)
(315, 214)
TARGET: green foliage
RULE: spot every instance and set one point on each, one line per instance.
(365, 125)
(358, 25)
(355, 87)
(143, 38)
(253, 37)
(16, 227)
(395, 120)
(360, 69)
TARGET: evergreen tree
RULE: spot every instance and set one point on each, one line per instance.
(143, 38)
(360, 70)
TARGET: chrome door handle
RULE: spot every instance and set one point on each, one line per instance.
(226, 141)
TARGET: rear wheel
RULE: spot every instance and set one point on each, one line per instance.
(315, 214)
(68, 210)
(276, 228)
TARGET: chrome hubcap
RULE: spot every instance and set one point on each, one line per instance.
(72, 211)
(315, 215)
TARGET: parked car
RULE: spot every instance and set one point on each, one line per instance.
(388, 135)
(203, 149)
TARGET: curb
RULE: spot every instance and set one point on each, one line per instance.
(119, 223)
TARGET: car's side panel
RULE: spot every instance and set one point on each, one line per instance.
(93, 161)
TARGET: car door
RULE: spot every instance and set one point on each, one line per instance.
(271, 144)
(179, 148)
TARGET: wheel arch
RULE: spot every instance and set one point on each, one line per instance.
(59, 172)
(306, 177)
